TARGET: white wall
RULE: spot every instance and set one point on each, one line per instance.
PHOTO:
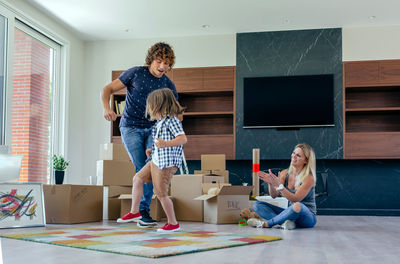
(74, 81)
(371, 43)
(102, 57)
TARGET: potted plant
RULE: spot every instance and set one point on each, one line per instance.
(59, 166)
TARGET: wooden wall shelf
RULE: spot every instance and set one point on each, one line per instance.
(208, 93)
(371, 107)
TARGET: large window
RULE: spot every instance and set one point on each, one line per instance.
(32, 110)
(3, 64)
(33, 79)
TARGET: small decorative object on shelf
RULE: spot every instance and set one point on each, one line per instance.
(59, 166)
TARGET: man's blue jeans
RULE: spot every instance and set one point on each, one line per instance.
(136, 141)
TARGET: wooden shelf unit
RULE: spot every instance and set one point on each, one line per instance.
(208, 93)
(371, 109)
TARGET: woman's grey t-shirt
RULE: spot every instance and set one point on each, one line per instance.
(308, 201)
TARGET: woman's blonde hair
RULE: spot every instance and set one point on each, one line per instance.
(162, 102)
(309, 167)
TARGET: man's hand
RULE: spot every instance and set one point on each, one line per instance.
(110, 115)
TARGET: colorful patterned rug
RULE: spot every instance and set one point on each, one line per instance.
(132, 240)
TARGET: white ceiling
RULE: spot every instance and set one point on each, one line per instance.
(130, 19)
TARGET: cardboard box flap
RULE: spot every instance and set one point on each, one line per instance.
(205, 197)
(236, 190)
(208, 186)
(129, 196)
(125, 196)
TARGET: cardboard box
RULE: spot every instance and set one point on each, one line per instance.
(111, 203)
(156, 210)
(224, 173)
(213, 162)
(70, 204)
(225, 207)
(111, 208)
(186, 187)
(112, 151)
(115, 172)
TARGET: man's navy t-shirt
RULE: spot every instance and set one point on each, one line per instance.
(139, 84)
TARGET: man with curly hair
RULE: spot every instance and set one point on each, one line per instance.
(135, 128)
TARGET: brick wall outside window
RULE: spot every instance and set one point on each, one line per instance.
(31, 107)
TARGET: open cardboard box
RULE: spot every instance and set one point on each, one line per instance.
(186, 187)
(111, 203)
(225, 207)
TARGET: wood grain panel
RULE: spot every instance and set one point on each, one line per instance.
(188, 79)
(373, 97)
(389, 72)
(208, 125)
(372, 145)
(215, 144)
(219, 78)
(170, 74)
(210, 103)
(359, 73)
(371, 121)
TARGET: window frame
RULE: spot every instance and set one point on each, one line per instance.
(17, 19)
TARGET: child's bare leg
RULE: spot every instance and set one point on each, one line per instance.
(168, 207)
(161, 180)
(137, 192)
(143, 176)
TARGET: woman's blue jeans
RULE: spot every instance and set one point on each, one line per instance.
(136, 141)
(276, 215)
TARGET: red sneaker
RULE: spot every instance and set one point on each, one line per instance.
(168, 228)
(129, 217)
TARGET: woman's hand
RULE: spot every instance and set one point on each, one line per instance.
(270, 178)
(148, 152)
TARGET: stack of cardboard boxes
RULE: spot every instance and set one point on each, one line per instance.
(207, 195)
(115, 172)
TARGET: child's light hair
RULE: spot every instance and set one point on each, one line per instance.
(309, 167)
(161, 103)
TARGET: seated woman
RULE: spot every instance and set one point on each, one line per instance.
(297, 184)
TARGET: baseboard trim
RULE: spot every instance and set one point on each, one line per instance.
(345, 211)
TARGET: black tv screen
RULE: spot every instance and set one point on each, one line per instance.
(288, 101)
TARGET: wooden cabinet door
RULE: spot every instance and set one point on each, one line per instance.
(361, 73)
(188, 79)
(389, 72)
(219, 79)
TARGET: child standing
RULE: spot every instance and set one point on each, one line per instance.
(166, 156)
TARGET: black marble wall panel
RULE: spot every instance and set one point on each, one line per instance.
(353, 187)
(285, 53)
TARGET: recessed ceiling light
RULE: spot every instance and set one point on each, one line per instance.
(205, 26)
(372, 17)
(286, 21)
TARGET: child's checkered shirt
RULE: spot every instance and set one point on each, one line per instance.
(170, 128)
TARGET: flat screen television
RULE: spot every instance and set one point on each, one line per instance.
(288, 101)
